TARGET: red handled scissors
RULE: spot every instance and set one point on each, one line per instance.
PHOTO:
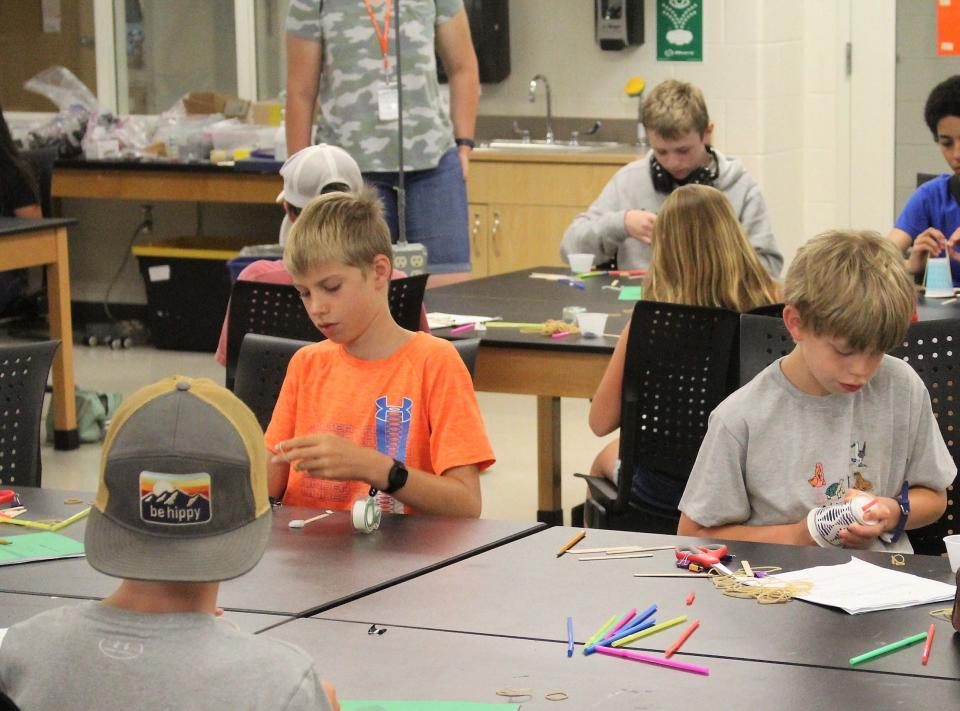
(707, 556)
(7, 496)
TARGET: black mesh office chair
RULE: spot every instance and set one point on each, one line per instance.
(763, 339)
(933, 348)
(261, 368)
(276, 310)
(24, 369)
(679, 366)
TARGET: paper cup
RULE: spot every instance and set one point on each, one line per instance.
(592, 324)
(826, 522)
(953, 551)
(580, 263)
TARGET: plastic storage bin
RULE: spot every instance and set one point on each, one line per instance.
(188, 287)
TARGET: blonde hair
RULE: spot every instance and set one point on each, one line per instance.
(852, 284)
(338, 227)
(701, 257)
(674, 109)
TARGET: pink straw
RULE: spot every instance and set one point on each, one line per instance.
(616, 628)
(647, 659)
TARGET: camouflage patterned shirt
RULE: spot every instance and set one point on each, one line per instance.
(353, 73)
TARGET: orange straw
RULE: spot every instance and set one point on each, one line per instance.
(671, 650)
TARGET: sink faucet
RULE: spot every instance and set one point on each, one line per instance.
(533, 96)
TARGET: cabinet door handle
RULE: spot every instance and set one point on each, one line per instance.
(475, 234)
(494, 229)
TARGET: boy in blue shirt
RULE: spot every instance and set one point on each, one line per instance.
(834, 418)
(930, 221)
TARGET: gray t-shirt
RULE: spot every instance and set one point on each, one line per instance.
(772, 452)
(601, 232)
(100, 657)
(353, 73)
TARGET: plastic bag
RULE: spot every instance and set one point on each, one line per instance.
(66, 130)
(63, 88)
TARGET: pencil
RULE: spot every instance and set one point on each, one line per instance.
(886, 649)
(672, 649)
(571, 543)
(925, 657)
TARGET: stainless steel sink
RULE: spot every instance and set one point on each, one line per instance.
(520, 146)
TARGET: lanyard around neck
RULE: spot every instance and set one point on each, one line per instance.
(382, 35)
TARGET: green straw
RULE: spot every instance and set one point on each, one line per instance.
(607, 625)
(893, 647)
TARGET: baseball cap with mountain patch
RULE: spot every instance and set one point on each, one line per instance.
(183, 486)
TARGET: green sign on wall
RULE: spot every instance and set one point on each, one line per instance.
(680, 30)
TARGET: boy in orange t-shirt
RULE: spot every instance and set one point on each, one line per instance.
(374, 405)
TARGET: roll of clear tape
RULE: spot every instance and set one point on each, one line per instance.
(366, 515)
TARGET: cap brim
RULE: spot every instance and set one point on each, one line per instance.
(124, 553)
(280, 197)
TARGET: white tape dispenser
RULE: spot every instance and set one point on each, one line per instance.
(366, 513)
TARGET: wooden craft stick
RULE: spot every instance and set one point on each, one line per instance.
(672, 575)
(626, 549)
(616, 557)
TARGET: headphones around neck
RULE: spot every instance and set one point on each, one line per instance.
(663, 182)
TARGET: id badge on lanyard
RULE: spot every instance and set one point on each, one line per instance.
(388, 101)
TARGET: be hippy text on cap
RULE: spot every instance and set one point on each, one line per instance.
(182, 494)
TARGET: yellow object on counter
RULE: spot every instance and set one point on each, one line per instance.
(635, 86)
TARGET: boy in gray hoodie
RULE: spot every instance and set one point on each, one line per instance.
(619, 223)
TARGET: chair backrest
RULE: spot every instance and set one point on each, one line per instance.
(933, 348)
(23, 380)
(261, 369)
(266, 309)
(679, 367)
(763, 339)
(41, 163)
(468, 348)
(276, 310)
(406, 300)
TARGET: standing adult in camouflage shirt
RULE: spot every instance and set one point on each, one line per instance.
(345, 52)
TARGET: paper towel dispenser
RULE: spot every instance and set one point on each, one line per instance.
(618, 23)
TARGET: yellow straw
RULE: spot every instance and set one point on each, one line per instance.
(651, 630)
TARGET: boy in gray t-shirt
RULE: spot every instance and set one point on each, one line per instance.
(834, 418)
(182, 504)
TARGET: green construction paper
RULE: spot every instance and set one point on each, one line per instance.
(631, 293)
(357, 705)
(30, 547)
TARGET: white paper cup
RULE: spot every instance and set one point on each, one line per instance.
(953, 551)
(592, 324)
(580, 263)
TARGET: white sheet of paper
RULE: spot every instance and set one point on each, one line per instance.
(858, 587)
(442, 320)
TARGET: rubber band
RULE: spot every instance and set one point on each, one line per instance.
(764, 591)
(943, 613)
(897, 559)
(366, 515)
(556, 696)
(516, 696)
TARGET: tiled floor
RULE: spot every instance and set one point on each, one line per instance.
(509, 487)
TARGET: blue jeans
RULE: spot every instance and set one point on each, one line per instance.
(436, 211)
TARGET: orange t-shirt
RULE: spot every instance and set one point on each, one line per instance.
(417, 406)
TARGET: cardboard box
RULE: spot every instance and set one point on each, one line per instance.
(209, 102)
(266, 113)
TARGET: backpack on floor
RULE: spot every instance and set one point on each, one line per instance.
(94, 411)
